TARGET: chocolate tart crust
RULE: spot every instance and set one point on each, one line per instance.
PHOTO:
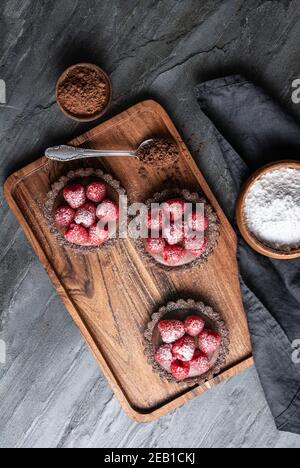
(213, 229)
(209, 315)
(56, 189)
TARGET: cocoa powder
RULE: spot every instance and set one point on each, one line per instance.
(83, 92)
(159, 152)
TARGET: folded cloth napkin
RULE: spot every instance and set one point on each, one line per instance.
(258, 131)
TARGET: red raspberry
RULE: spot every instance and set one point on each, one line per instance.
(194, 325)
(184, 348)
(98, 235)
(96, 191)
(86, 215)
(107, 211)
(197, 221)
(154, 246)
(64, 216)
(200, 362)
(174, 208)
(173, 234)
(199, 252)
(196, 246)
(77, 235)
(180, 370)
(164, 354)
(172, 254)
(74, 195)
(170, 330)
(155, 219)
(209, 341)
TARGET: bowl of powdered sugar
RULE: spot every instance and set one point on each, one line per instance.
(268, 210)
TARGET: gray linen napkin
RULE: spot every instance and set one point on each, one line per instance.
(259, 131)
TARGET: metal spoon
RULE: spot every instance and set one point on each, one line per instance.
(70, 153)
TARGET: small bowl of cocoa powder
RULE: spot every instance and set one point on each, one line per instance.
(83, 92)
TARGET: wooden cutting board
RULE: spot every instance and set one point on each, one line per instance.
(111, 295)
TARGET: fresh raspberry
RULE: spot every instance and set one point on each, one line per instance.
(196, 244)
(155, 219)
(74, 195)
(164, 354)
(64, 216)
(107, 211)
(86, 215)
(170, 330)
(180, 370)
(77, 235)
(200, 362)
(154, 246)
(173, 234)
(174, 208)
(209, 341)
(172, 254)
(96, 191)
(98, 235)
(197, 221)
(184, 348)
(199, 252)
(194, 325)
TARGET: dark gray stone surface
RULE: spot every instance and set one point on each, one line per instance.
(52, 393)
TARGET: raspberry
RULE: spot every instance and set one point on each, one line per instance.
(164, 354)
(77, 235)
(64, 216)
(170, 330)
(174, 208)
(196, 246)
(74, 195)
(194, 325)
(154, 246)
(155, 219)
(98, 235)
(197, 221)
(96, 191)
(209, 341)
(180, 370)
(184, 348)
(200, 362)
(107, 211)
(173, 234)
(199, 252)
(172, 254)
(86, 215)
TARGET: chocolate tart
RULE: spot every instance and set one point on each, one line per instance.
(54, 198)
(179, 311)
(212, 233)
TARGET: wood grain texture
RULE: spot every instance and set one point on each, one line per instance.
(111, 295)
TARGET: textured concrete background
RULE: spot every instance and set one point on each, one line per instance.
(52, 393)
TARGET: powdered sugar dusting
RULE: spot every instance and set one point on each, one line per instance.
(272, 209)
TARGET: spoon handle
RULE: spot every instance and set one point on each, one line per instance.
(70, 153)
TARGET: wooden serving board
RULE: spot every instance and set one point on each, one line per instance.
(111, 295)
